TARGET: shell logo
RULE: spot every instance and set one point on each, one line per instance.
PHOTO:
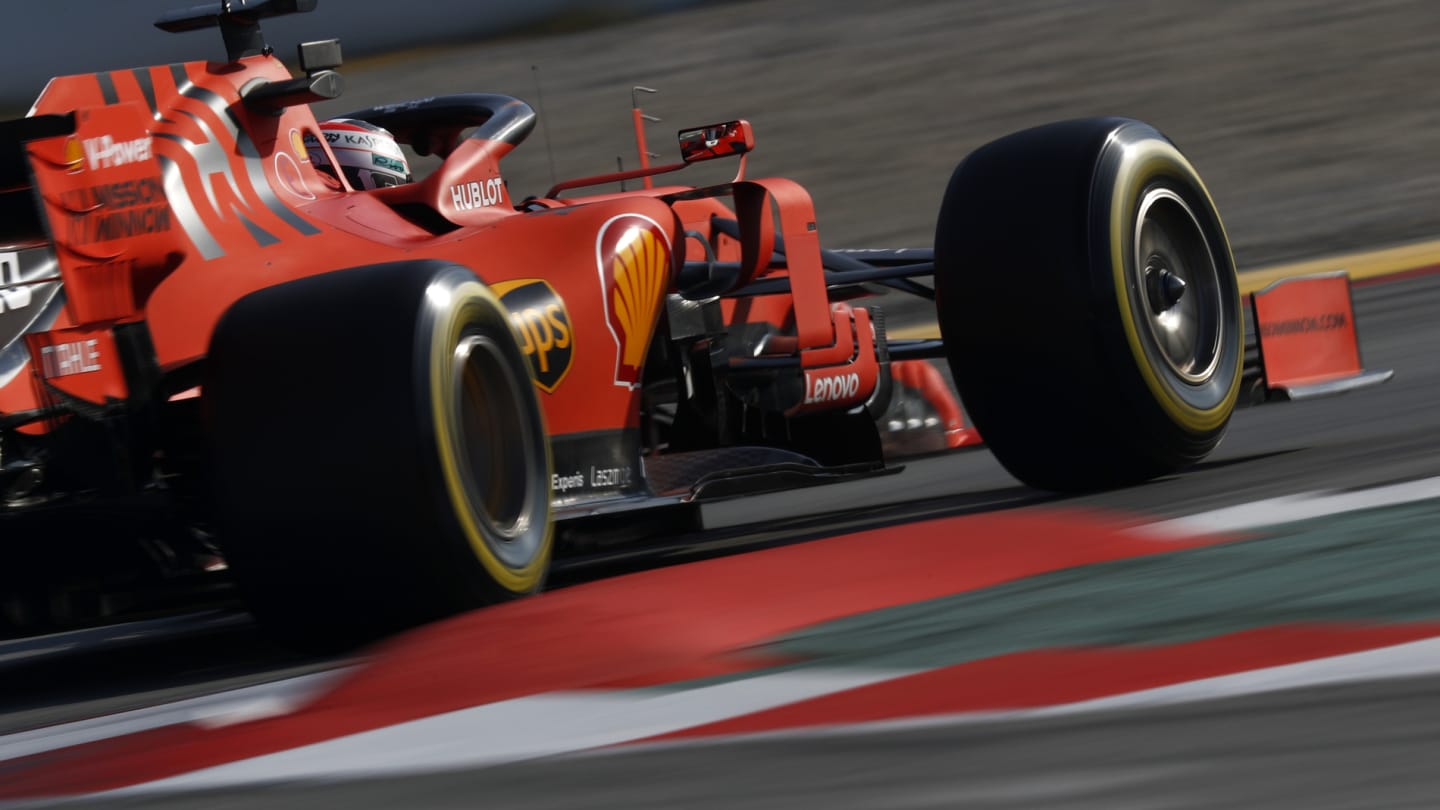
(297, 145)
(74, 155)
(633, 255)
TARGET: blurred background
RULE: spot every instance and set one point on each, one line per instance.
(1316, 123)
(106, 34)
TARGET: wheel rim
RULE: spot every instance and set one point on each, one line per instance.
(1179, 287)
(496, 436)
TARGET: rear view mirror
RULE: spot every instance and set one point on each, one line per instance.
(716, 140)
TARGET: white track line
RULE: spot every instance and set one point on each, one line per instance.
(578, 723)
(1407, 660)
(1291, 508)
(556, 723)
(524, 728)
(221, 708)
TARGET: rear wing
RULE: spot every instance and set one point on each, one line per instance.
(98, 198)
(20, 223)
(30, 297)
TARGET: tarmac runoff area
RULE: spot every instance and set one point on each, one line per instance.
(1004, 618)
(1346, 144)
(926, 624)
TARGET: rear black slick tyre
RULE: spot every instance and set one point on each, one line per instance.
(378, 455)
(1087, 297)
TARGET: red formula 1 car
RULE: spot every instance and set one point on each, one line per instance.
(377, 407)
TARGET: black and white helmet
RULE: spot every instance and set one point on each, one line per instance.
(369, 155)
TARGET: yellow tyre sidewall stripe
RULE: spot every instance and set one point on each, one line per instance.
(1142, 162)
(467, 298)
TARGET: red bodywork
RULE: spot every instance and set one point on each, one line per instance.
(259, 214)
(703, 326)
(173, 198)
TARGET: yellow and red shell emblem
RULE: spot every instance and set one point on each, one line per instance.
(74, 155)
(633, 255)
(297, 145)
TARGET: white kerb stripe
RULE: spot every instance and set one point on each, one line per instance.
(247, 703)
(523, 728)
(570, 723)
(1291, 508)
(1407, 660)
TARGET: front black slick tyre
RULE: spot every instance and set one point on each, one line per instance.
(379, 457)
(1086, 293)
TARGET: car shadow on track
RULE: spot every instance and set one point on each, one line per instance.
(1235, 461)
(693, 547)
(56, 678)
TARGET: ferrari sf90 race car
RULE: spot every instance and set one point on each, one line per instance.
(378, 406)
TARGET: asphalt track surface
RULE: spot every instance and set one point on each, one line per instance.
(1361, 745)
(1315, 123)
(1316, 126)
(1367, 746)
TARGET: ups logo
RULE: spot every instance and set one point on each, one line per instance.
(543, 325)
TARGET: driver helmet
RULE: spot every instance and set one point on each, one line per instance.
(368, 155)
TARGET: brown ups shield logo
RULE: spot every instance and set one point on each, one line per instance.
(543, 324)
(633, 255)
